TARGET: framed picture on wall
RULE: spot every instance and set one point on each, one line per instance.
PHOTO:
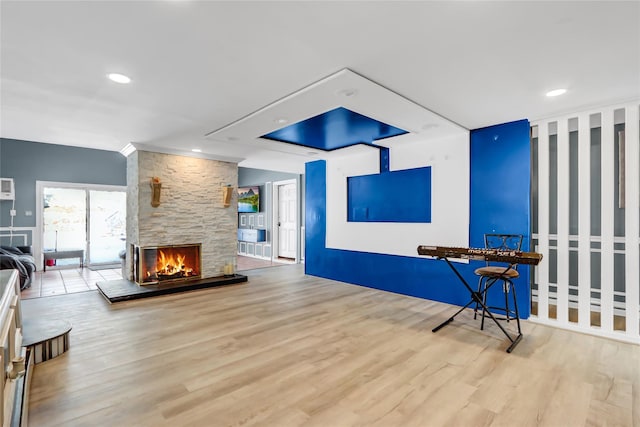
(243, 220)
(251, 223)
(249, 199)
(260, 220)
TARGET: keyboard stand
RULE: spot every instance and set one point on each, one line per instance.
(478, 297)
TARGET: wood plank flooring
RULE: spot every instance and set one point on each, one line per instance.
(248, 263)
(286, 349)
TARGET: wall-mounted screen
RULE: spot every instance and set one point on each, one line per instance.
(249, 199)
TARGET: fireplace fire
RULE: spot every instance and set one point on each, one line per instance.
(153, 265)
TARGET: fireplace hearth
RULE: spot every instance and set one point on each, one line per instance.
(166, 264)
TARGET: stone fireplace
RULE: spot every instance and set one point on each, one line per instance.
(190, 209)
(164, 264)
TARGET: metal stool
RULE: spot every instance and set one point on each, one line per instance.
(493, 273)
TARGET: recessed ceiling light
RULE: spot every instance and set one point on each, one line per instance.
(119, 78)
(556, 92)
(281, 120)
(196, 150)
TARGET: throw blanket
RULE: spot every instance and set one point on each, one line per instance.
(25, 264)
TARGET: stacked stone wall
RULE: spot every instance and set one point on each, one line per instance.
(191, 206)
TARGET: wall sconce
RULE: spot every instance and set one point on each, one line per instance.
(227, 192)
(155, 191)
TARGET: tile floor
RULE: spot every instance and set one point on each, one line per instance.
(58, 281)
(67, 280)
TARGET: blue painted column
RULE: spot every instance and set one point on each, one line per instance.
(501, 194)
(315, 230)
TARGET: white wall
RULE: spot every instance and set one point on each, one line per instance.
(449, 161)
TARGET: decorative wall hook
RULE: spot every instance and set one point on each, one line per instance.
(155, 191)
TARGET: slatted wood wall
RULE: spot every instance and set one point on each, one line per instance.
(608, 303)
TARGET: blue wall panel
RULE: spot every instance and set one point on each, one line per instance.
(501, 192)
(398, 196)
(422, 278)
(499, 203)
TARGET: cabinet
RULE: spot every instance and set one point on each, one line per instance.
(11, 350)
(251, 235)
(253, 242)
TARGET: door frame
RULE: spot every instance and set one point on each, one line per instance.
(40, 186)
(275, 234)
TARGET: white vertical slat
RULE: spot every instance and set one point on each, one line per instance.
(563, 222)
(632, 212)
(543, 219)
(584, 221)
(607, 209)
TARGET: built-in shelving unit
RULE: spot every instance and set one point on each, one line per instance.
(253, 236)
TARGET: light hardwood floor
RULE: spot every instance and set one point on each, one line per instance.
(244, 263)
(285, 349)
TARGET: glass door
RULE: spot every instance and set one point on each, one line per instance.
(81, 217)
(64, 220)
(107, 225)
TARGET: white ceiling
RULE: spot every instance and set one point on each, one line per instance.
(199, 66)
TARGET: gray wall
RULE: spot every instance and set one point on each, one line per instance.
(252, 177)
(249, 176)
(27, 162)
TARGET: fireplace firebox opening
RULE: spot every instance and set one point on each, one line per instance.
(163, 264)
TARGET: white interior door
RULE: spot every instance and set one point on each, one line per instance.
(287, 202)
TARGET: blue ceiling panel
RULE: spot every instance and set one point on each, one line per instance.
(334, 129)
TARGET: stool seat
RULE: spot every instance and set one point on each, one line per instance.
(497, 271)
(504, 273)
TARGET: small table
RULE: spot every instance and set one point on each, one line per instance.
(73, 253)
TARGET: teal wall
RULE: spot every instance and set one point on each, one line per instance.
(27, 162)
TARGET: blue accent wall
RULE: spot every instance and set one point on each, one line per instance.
(500, 197)
(398, 196)
(501, 192)
(384, 159)
(27, 162)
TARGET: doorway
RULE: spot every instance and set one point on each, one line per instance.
(81, 216)
(285, 217)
